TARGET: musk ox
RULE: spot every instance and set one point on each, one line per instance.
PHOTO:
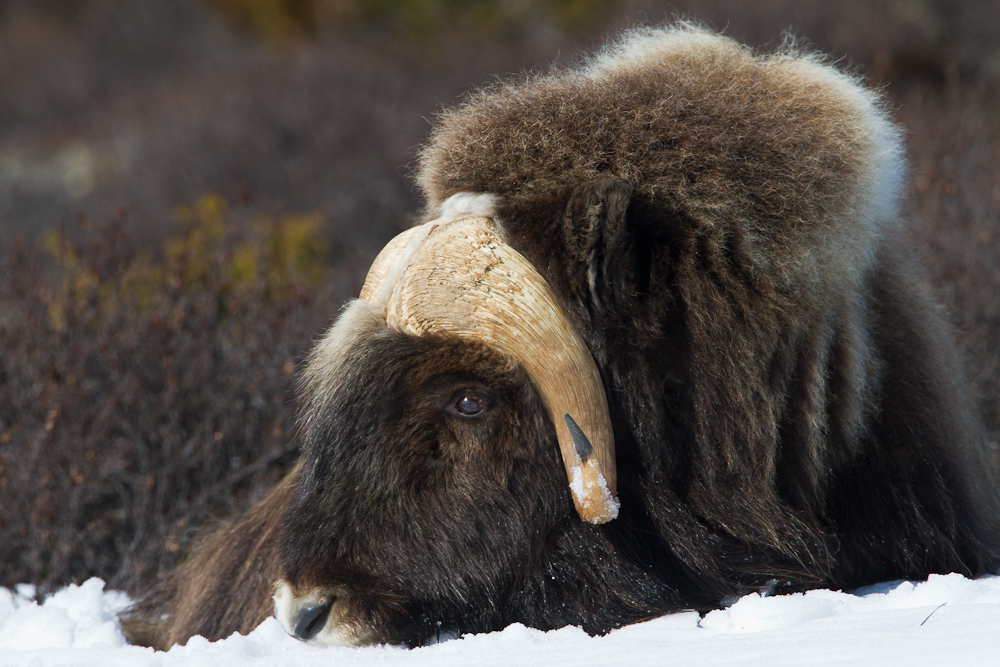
(658, 342)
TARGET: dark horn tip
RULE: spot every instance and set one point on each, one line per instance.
(312, 619)
(583, 447)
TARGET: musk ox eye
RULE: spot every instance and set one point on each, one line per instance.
(469, 405)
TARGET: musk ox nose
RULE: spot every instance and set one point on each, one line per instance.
(311, 619)
(306, 615)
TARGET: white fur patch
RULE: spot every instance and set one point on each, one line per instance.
(356, 323)
(467, 204)
(284, 606)
(648, 48)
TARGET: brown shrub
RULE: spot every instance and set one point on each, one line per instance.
(140, 396)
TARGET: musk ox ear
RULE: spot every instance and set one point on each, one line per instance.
(598, 241)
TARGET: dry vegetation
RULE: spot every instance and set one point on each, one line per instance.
(147, 352)
(141, 394)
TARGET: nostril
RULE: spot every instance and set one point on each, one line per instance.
(312, 619)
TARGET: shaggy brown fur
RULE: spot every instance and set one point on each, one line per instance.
(788, 412)
(231, 573)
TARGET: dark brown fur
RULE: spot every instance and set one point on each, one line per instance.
(787, 406)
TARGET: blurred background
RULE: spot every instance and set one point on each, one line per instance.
(189, 189)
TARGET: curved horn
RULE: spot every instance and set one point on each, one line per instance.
(462, 278)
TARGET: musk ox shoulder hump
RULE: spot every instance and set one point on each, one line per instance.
(782, 147)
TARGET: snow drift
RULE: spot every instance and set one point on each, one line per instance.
(946, 620)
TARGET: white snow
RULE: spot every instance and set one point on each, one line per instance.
(947, 620)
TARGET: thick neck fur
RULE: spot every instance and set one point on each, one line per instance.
(722, 227)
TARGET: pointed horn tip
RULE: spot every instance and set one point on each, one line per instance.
(595, 502)
(580, 441)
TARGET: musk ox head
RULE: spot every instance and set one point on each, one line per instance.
(428, 422)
